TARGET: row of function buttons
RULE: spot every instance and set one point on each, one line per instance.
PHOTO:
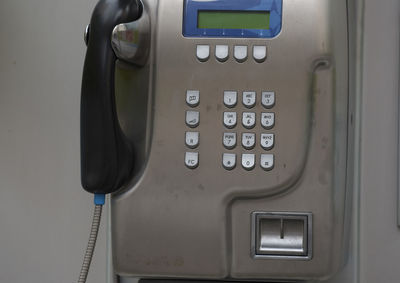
(229, 161)
(239, 52)
(249, 98)
(229, 140)
(230, 119)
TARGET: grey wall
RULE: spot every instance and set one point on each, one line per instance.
(376, 250)
(379, 235)
(44, 213)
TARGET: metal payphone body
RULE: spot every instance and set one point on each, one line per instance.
(245, 141)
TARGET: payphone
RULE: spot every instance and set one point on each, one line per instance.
(228, 141)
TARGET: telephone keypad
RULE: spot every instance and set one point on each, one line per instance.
(192, 159)
(230, 119)
(248, 140)
(248, 161)
(229, 140)
(229, 161)
(192, 118)
(249, 120)
(192, 139)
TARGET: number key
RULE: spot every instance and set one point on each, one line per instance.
(248, 161)
(248, 140)
(229, 140)
(230, 119)
(267, 120)
(268, 99)
(230, 98)
(249, 120)
(249, 99)
(267, 141)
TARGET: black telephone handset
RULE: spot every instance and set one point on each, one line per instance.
(106, 155)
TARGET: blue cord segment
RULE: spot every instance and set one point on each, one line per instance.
(99, 199)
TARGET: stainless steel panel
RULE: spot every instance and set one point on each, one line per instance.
(172, 221)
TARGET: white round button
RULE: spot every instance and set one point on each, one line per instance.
(240, 53)
(222, 52)
(259, 53)
(203, 52)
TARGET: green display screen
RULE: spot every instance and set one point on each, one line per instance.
(233, 19)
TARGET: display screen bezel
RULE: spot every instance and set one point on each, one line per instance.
(192, 7)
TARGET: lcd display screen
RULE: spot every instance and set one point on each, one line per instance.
(233, 20)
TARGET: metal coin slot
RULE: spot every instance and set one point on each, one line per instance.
(281, 235)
